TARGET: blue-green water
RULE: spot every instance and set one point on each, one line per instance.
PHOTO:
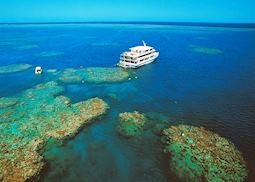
(189, 83)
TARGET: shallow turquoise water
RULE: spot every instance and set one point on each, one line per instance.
(211, 90)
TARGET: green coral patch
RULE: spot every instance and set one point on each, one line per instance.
(196, 154)
(93, 74)
(14, 68)
(51, 116)
(205, 50)
(131, 124)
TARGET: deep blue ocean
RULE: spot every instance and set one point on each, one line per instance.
(200, 88)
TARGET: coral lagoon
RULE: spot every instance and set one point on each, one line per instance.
(196, 154)
(14, 68)
(43, 133)
(32, 119)
(93, 74)
(131, 124)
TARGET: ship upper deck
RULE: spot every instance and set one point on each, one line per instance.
(130, 54)
(140, 49)
(137, 52)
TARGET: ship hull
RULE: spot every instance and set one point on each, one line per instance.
(131, 65)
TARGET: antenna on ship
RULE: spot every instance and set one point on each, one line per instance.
(144, 44)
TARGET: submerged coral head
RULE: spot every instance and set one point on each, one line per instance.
(196, 153)
(131, 124)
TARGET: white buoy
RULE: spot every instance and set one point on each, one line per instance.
(38, 70)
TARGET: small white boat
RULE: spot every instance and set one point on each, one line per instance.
(138, 56)
(38, 70)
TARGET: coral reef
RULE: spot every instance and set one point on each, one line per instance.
(71, 75)
(12, 42)
(51, 71)
(131, 124)
(50, 54)
(22, 163)
(50, 117)
(204, 50)
(7, 102)
(93, 74)
(14, 68)
(24, 47)
(197, 154)
(84, 112)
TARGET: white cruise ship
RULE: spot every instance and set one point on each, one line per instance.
(138, 56)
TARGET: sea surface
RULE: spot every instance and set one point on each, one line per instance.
(204, 76)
